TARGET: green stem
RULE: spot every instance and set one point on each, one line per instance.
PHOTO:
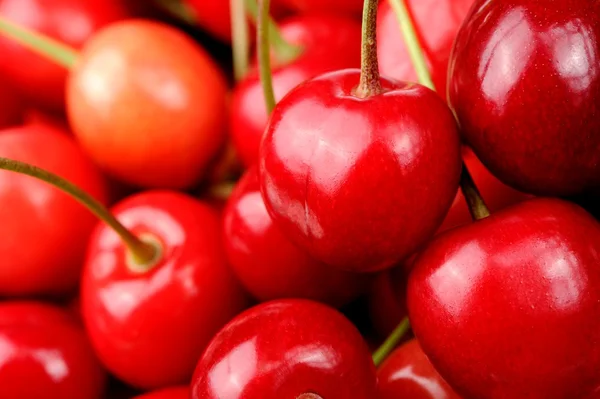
(143, 253)
(477, 206)
(391, 342)
(41, 44)
(285, 52)
(240, 40)
(264, 57)
(370, 82)
(179, 9)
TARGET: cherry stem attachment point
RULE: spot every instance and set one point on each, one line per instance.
(264, 56)
(41, 44)
(179, 9)
(143, 253)
(240, 38)
(284, 51)
(309, 396)
(391, 342)
(370, 81)
(477, 206)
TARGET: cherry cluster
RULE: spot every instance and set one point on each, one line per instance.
(309, 199)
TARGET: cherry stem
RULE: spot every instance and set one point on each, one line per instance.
(285, 52)
(264, 57)
(179, 9)
(477, 206)
(370, 82)
(240, 36)
(143, 253)
(391, 342)
(41, 44)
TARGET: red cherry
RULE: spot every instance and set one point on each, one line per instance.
(44, 231)
(167, 393)
(149, 327)
(509, 307)
(268, 264)
(360, 183)
(387, 301)
(437, 23)
(283, 349)
(152, 118)
(11, 106)
(352, 7)
(69, 21)
(407, 373)
(328, 43)
(45, 354)
(496, 194)
(525, 86)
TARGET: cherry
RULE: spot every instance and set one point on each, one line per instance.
(408, 373)
(182, 392)
(352, 7)
(268, 264)
(45, 232)
(69, 21)
(150, 322)
(11, 106)
(497, 195)
(290, 348)
(354, 169)
(437, 23)
(45, 354)
(327, 43)
(524, 85)
(508, 307)
(386, 301)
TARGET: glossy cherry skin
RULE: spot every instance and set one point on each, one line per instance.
(268, 264)
(352, 7)
(149, 328)
(69, 21)
(45, 231)
(45, 354)
(496, 194)
(512, 56)
(11, 106)
(283, 349)
(329, 43)
(182, 392)
(436, 21)
(359, 183)
(509, 307)
(408, 373)
(154, 118)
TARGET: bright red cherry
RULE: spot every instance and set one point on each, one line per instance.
(437, 23)
(360, 183)
(496, 194)
(150, 325)
(268, 264)
(284, 349)
(509, 307)
(328, 43)
(11, 106)
(408, 373)
(45, 354)
(182, 392)
(68, 21)
(525, 86)
(352, 7)
(45, 231)
(151, 118)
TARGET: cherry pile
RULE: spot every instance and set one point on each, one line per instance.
(300, 199)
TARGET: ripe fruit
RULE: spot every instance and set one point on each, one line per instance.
(509, 307)
(182, 392)
(11, 106)
(351, 7)
(525, 87)
(284, 349)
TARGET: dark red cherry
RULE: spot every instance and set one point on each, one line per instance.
(329, 42)
(408, 373)
(69, 21)
(386, 301)
(268, 264)
(283, 349)
(11, 106)
(525, 86)
(150, 326)
(360, 183)
(351, 7)
(509, 307)
(437, 23)
(45, 354)
(182, 392)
